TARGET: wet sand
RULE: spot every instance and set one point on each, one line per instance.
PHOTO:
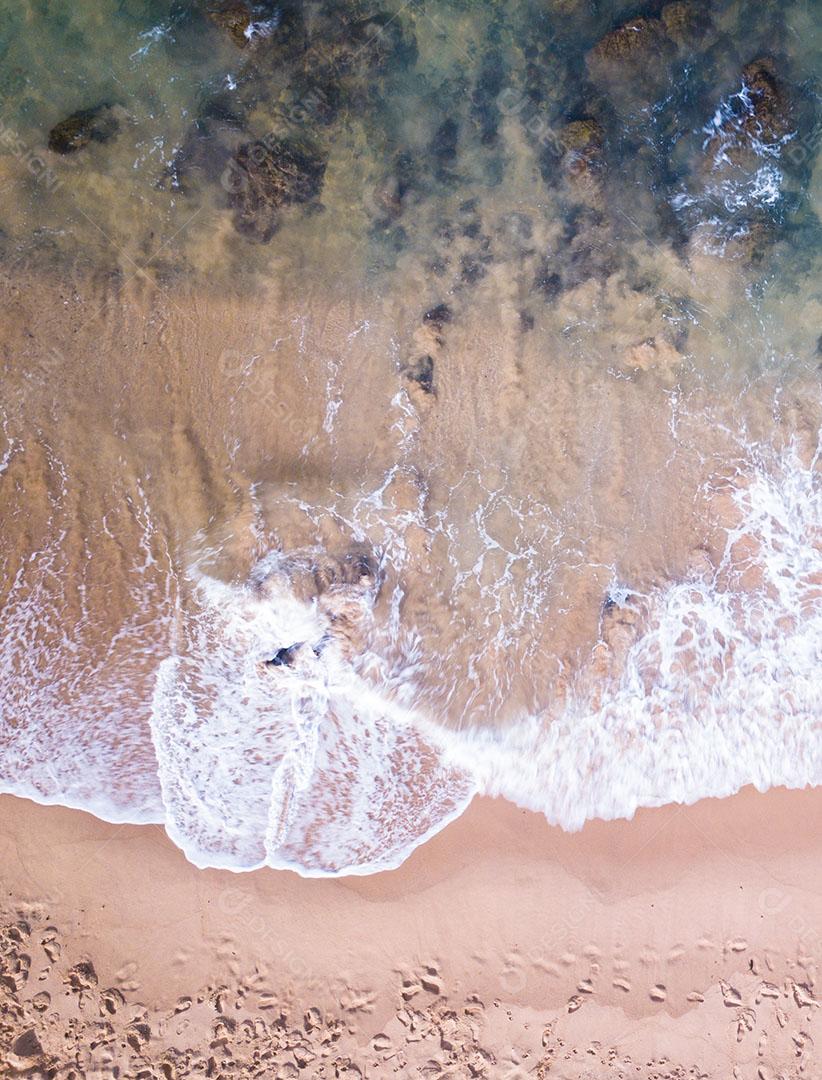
(470, 555)
(684, 943)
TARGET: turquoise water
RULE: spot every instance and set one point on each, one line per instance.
(415, 109)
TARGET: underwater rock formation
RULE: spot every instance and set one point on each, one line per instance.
(272, 174)
(85, 126)
(638, 51)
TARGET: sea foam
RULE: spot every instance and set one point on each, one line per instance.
(316, 763)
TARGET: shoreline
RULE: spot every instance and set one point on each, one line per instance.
(649, 923)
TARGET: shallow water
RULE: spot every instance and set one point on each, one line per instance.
(464, 440)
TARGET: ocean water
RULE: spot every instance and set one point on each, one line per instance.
(403, 403)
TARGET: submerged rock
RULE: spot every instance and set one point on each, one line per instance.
(396, 188)
(246, 24)
(85, 126)
(547, 280)
(421, 372)
(233, 18)
(349, 45)
(654, 353)
(770, 116)
(438, 316)
(620, 624)
(269, 175)
(485, 98)
(685, 23)
(443, 147)
(638, 50)
(582, 161)
(759, 113)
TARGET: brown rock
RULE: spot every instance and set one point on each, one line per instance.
(634, 42)
(685, 23)
(83, 127)
(234, 17)
(583, 141)
(639, 49)
(771, 108)
(268, 175)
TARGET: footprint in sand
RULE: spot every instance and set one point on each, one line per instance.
(381, 1043)
(110, 1001)
(125, 977)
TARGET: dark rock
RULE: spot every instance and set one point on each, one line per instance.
(223, 108)
(284, 657)
(485, 99)
(548, 282)
(83, 127)
(770, 118)
(685, 23)
(473, 268)
(234, 17)
(438, 316)
(443, 147)
(384, 41)
(638, 50)
(269, 175)
(421, 372)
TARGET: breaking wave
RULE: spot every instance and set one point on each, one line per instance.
(274, 731)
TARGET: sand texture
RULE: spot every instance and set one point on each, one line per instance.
(682, 944)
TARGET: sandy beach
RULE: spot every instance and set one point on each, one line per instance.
(684, 943)
(410, 540)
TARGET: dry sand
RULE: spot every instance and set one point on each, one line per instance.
(681, 944)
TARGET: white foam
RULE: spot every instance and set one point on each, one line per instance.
(328, 765)
(73, 689)
(720, 203)
(720, 690)
(300, 765)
